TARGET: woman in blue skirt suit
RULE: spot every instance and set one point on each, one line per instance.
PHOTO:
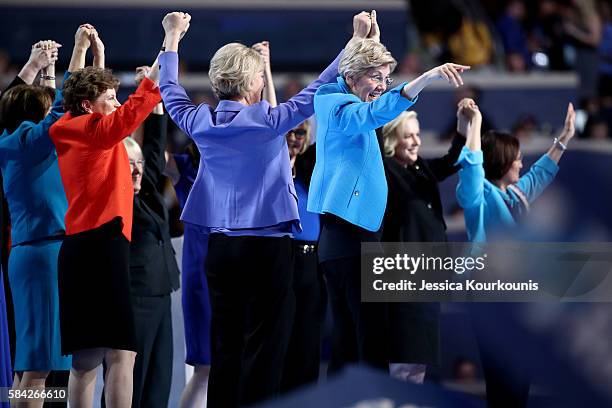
(37, 204)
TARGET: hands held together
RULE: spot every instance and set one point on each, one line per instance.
(366, 26)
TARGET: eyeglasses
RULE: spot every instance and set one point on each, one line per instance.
(139, 163)
(380, 80)
(298, 133)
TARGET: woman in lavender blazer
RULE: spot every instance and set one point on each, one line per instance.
(244, 197)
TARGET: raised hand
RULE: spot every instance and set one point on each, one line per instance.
(141, 72)
(374, 29)
(569, 128)
(82, 41)
(97, 49)
(97, 46)
(43, 54)
(362, 24)
(263, 48)
(468, 109)
(176, 23)
(82, 38)
(449, 72)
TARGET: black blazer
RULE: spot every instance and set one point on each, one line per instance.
(414, 209)
(414, 214)
(153, 267)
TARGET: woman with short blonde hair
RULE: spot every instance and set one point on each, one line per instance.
(362, 55)
(391, 131)
(233, 69)
(349, 186)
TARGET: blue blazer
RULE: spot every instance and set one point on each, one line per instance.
(349, 178)
(484, 204)
(244, 178)
(32, 183)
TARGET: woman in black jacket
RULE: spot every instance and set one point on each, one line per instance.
(414, 213)
(154, 273)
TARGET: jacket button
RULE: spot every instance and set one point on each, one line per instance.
(416, 167)
(429, 205)
(356, 192)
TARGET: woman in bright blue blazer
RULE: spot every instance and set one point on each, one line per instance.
(490, 190)
(495, 199)
(349, 187)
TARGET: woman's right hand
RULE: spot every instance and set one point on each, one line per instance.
(176, 23)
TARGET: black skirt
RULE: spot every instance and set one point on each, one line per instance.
(94, 290)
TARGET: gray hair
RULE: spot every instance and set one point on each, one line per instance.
(362, 55)
(391, 131)
(131, 145)
(232, 69)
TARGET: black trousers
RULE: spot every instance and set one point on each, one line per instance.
(359, 331)
(507, 373)
(153, 366)
(304, 353)
(250, 286)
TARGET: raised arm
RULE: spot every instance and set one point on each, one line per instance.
(269, 93)
(39, 58)
(445, 166)
(177, 103)
(97, 49)
(543, 171)
(470, 189)
(560, 143)
(47, 73)
(82, 41)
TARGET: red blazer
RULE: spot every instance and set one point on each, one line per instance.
(94, 164)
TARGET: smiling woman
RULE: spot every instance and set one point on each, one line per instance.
(348, 183)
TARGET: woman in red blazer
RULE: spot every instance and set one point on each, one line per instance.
(96, 315)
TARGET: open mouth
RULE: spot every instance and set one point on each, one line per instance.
(374, 95)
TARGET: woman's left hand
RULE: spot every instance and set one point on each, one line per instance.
(450, 72)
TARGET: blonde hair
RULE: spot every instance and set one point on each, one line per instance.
(232, 69)
(391, 131)
(361, 55)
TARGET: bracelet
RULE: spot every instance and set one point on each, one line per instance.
(47, 78)
(559, 144)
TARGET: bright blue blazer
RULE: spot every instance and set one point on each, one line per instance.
(485, 210)
(349, 179)
(32, 183)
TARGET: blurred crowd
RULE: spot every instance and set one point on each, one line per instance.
(518, 36)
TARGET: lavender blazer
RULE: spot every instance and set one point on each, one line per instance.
(244, 179)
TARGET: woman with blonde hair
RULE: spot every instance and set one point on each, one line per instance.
(348, 184)
(414, 213)
(244, 197)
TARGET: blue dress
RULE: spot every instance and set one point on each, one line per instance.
(37, 204)
(195, 298)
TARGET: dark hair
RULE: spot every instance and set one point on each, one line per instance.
(25, 103)
(500, 150)
(86, 84)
